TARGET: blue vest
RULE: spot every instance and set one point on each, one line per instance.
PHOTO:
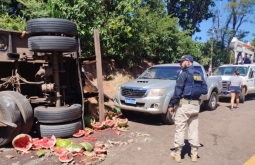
(192, 89)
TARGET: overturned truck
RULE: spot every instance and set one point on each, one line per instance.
(41, 83)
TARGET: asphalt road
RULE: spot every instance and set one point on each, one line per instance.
(227, 137)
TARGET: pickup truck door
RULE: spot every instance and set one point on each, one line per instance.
(251, 80)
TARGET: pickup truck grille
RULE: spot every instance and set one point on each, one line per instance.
(134, 93)
(224, 85)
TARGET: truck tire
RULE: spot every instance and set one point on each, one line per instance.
(212, 103)
(57, 114)
(167, 118)
(25, 109)
(51, 25)
(58, 130)
(242, 96)
(52, 43)
(10, 112)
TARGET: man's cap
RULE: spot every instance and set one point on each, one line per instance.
(186, 58)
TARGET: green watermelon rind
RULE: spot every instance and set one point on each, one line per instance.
(88, 147)
(74, 147)
(62, 143)
(122, 124)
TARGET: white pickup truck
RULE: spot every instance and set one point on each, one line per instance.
(247, 72)
(153, 89)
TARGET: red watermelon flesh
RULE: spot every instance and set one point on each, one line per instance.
(65, 158)
(45, 142)
(22, 142)
(59, 150)
(80, 133)
(109, 123)
(98, 125)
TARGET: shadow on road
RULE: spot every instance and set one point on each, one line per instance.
(186, 149)
(145, 118)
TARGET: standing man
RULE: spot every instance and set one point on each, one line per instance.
(247, 59)
(189, 87)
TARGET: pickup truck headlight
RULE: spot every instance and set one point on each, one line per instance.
(156, 92)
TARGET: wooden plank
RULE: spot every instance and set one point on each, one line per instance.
(99, 76)
(89, 62)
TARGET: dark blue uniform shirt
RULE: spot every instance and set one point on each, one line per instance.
(190, 85)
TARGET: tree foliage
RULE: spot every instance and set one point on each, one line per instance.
(130, 30)
(190, 13)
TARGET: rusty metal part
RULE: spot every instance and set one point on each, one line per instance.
(56, 79)
(44, 71)
(48, 88)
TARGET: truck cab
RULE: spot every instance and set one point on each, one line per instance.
(153, 89)
(247, 72)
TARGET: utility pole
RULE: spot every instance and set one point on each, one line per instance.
(210, 66)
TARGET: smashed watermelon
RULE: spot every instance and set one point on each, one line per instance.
(75, 147)
(22, 142)
(80, 133)
(109, 123)
(65, 158)
(98, 125)
(59, 150)
(45, 142)
(87, 146)
(122, 122)
(88, 131)
(62, 143)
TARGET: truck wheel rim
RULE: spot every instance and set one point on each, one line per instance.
(213, 102)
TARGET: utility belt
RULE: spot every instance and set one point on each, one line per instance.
(193, 102)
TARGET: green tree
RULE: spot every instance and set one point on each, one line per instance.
(190, 13)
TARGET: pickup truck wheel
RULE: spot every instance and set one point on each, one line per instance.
(212, 103)
(51, 25)
(25, 109)
(52, 43)
(58, 130)
(57, 114)
(167, 118)
(10, 112)
(242, 96)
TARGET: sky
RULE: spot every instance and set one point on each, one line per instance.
(207, 24)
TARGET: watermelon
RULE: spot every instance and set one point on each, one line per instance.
(87, 146)
(22, 142)
(59, 150)
(100, 151)
(98, 125)
(65, 158)
(80, 133)
(45, 142)
(122, 122)
(109, 123)
(75, 147)
(88, 131)
(62, 143)
(88, 120)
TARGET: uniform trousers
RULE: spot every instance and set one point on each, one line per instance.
(186, 115)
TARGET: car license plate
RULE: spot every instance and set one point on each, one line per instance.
(130, 101)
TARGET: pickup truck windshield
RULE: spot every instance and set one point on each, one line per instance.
(229, 70)
(164, 73)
